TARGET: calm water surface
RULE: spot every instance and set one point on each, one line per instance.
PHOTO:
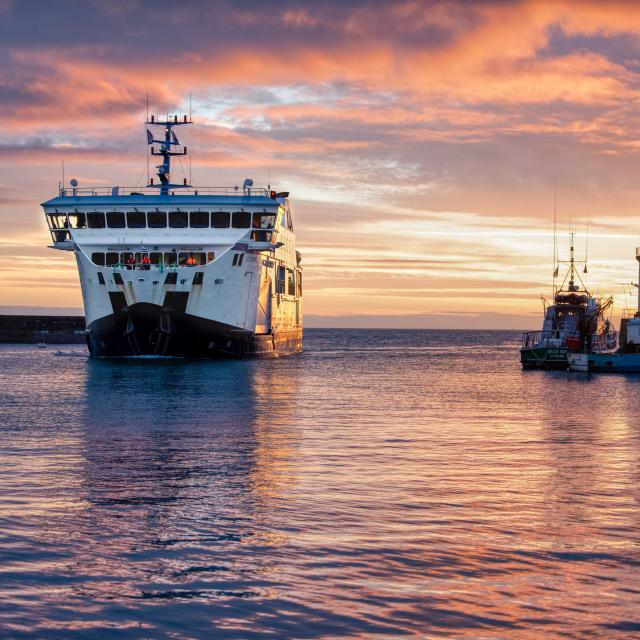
(383, 484)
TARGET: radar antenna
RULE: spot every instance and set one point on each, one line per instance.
(164, 150)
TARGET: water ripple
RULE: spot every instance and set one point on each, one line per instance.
(383, 484)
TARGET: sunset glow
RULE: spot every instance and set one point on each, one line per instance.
(420, 141)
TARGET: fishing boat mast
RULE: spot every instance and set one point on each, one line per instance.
(575, 281)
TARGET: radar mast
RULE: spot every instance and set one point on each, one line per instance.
(164, 150)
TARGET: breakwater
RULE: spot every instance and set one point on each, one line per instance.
(48, 329)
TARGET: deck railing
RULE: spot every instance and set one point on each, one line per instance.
(599, 341)
(533, 338)
(155, 191)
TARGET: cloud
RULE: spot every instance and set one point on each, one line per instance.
(419, 139)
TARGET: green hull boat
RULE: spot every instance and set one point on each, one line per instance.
(544, 358)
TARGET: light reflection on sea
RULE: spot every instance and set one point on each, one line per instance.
(382, 484)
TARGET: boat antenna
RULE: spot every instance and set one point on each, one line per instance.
(586, 250)
(555, 236)
(572, 265)
(638, 285)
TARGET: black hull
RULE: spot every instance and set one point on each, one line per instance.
(147, 329)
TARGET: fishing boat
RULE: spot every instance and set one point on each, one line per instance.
(574, 321)
(626, 359)
(171, 269)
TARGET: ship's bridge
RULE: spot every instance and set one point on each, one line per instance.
(97, 215)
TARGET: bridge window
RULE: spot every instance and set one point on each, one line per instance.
(191, 258)
(199, 219)
(77, 220)
(112, 259)
(57, 221)
(171, 258)
(136, 220)
(156, 258)
(299, 283)
(178, 219)
(125, 257)
(291, 282)
(98, 258)
(241, 220)
(220, 219)
(157, 219)
(280, 279)
(261, 235)
(95, 220)
(115, 220)
(264, 220)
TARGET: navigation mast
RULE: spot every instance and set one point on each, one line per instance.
(164, 150)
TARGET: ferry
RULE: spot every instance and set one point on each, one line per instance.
(171, 269)
(575, 321)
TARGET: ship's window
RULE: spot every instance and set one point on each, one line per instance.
(98, 258)
(220, 219)
(191, 259)
(95, 220)
(199, 219)
(261, 235)
(299, 283)
(60, 236)
(156, 258)
(235, 259)
(57, 221)
(264, 220)
(171, 258)
(136, 220)
(178, 219)
(280, 279)
(291, 282)
(77, 220)
(283, 219)
(125, 257)
(241, 220)
(115, 220)
(111, 259)
(240, 259)
(211, 256)
(289, 220)
(157, 219)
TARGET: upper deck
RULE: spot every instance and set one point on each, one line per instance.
(150, 197)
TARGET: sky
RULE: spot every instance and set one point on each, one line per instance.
(420, 141)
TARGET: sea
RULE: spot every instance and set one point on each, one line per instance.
(382, 484)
